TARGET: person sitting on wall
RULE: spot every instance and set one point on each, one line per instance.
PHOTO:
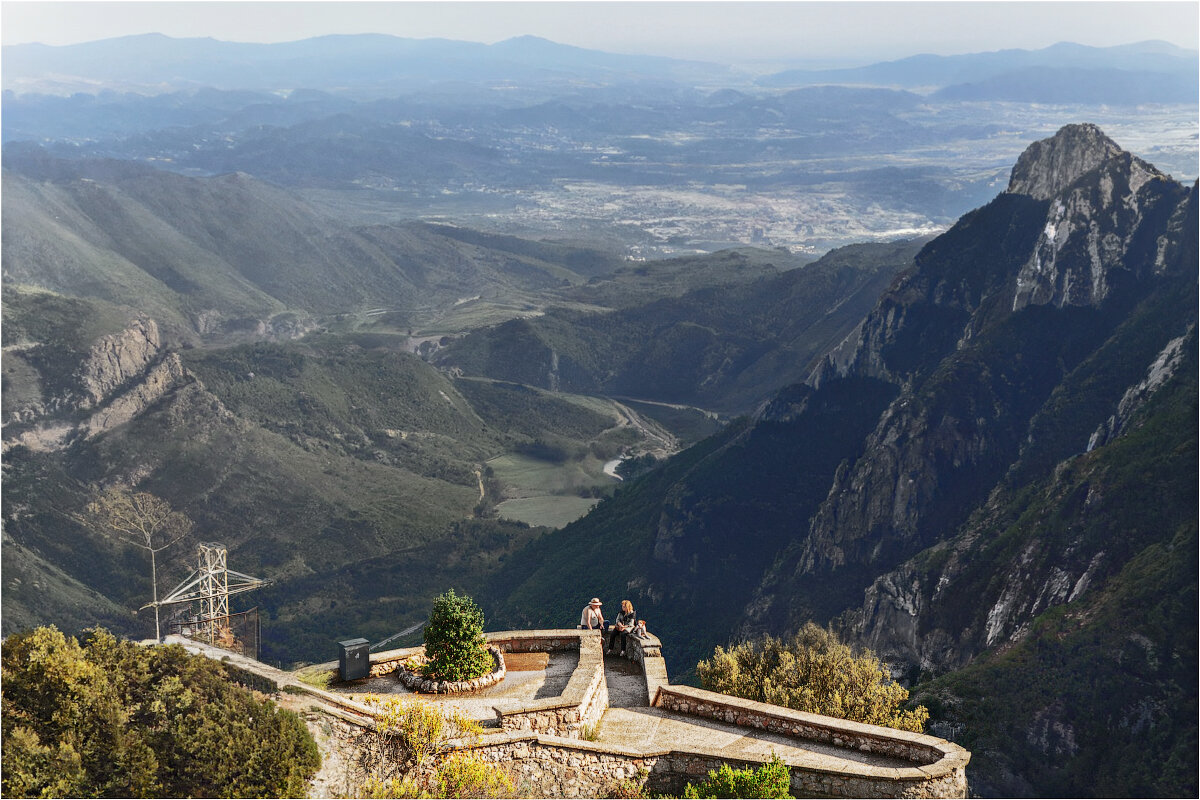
(593, 617)
(621, 627)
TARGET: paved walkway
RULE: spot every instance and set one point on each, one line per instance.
(655, 729)
(518, 688)
(630, 722)
(626, 684)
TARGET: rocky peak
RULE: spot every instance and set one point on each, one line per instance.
(1109, 222)
(1049, 166)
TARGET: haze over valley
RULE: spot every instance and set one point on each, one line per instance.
(904, 347)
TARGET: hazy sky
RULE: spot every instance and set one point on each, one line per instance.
(716, 31)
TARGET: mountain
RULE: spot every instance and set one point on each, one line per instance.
(1077, 85)
(372, 64)
(979, 493)
(1101, 74)
(727, 345)
(230, 254)
(220, 343)
(312, 462)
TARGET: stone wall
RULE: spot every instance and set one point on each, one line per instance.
(648, 654)
(555, 766)
(540, 744)
(581, 703)
(939, 766)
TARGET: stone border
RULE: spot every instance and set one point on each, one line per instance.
(562, 764)
(582, 702)
(557, 766)
(423, 685)
(931, 757)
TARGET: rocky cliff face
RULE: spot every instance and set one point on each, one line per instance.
(119, 377)
(116, 360)
(1050, 166)
(917, 616)
(1017, 537)
(978, 336)
(1095, 230)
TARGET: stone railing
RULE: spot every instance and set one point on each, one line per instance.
(540, 743)
(648, 653)
(935, 761)
(582, 702)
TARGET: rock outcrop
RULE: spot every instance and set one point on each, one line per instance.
(1095, 229)
(150, 387)
(1163, 369)
(120, 376)
(1049, 166)
(1082, 226)
(116, 360)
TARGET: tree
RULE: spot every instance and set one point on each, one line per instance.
(812, 672)
(109, 718)
(454, 644)
(143, 520)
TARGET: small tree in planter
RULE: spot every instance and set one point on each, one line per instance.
(454, 644)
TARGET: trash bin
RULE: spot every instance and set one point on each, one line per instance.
(354, 659)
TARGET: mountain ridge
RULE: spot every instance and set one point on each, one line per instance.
(968, 412)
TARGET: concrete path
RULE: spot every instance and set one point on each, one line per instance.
(655, 729)
(517, 689)
(630, 722)
(626, 684)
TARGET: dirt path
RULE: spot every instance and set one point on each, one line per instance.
(659, 442)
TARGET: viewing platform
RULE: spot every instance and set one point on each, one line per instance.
(569, 721)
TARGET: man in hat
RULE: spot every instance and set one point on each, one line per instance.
(593, 617)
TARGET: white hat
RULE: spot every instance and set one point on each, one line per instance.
(595, 602)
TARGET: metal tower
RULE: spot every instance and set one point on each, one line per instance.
(210, 586)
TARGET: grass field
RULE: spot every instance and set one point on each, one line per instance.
(525, 476)
(550, 510)
(546, 493)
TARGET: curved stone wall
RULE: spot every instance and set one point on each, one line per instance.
(938, 766)
(419, 683)
(541, 744)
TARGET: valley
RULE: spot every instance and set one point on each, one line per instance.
(915, 360)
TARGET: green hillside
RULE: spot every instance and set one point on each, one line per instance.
(1100, 693)
(226, 256)
(311, 462)
(718, 347)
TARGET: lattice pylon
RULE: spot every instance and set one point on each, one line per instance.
(214, 587)
(210, 586)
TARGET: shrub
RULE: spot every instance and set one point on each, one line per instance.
(812, 672)
(454, 644)
(111, 718)
(467, 775)
(629, 788)
(771, 780)
(408, 738)
(409, 734)
(377, 789)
